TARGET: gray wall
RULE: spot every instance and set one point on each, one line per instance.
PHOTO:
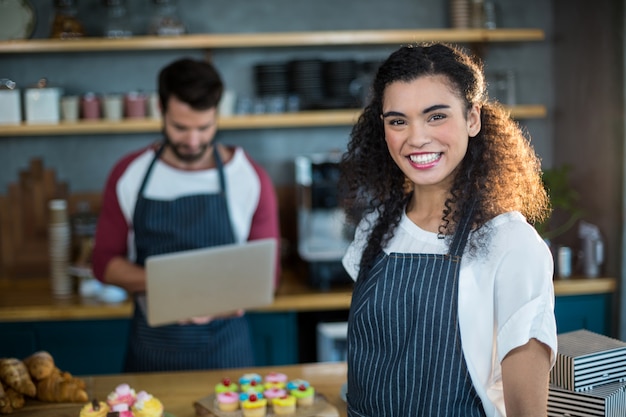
(84, 161)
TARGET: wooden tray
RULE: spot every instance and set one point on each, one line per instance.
(207, 406)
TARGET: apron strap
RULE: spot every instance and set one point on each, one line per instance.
(462, 232)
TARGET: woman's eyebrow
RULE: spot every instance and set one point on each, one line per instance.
(435, 107)
(393, 113)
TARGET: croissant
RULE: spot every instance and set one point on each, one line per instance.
(61, 387)
(15, 375)
(11, 401)
(40, 364)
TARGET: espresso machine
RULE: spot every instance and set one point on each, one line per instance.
(592, 249)
(323, 236)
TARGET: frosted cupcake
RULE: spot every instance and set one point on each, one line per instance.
(275, 380)
(254, 406)
(122, 410)
(248, 378)
(123, 394)
(94, 409)
(227, 401)
(272, 393)
(284, 405)
(226, 385)
(304, 395)
(295, 383)
(147, 405)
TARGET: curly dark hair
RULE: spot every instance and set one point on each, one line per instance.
(499, 173)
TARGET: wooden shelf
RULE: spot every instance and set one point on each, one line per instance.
(317, 118)
(271, 40)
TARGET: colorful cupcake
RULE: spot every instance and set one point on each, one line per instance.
(254, 386)
(304, 395)
(94, 409)
(254, 406)
(275, 380)
(295, 383)
(147, 405)
(123, 394)
(226, 385)
(272, 393)
(122, 410)
(248, 378)
(227, 401)
(284, 405)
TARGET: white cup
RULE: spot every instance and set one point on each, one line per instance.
(227, 103)
(154, 108)
(113, 107)
(70, 108)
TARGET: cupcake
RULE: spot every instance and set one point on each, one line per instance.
(272, 393)
(248, 378)
(123, 394)
(226, 385)
(122, 410)
(254, 406)
(147, 405)
(295, 383)
(304, 395)
(94, 409)
(275, 380)
(253, 386)
(227, 401)
(284, 405)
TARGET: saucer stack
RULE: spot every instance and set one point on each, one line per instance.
(59, 240)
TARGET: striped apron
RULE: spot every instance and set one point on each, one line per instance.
(404, 344)
(189, 222)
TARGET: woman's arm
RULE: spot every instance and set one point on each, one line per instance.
(525, 378)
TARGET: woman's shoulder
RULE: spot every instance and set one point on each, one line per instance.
(512, 230)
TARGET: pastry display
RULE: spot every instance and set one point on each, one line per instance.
(272, 395)
(36, 376)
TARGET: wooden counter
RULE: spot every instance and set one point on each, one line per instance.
(179, 390)
(30, 299)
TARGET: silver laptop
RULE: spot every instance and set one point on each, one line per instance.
(210, 281)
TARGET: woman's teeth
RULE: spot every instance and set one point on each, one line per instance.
(425, 158)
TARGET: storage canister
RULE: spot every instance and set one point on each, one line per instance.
(41, 103)
(10, 103)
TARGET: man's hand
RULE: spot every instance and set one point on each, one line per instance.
(208, 319)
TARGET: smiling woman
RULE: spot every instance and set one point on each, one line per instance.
(441, 249)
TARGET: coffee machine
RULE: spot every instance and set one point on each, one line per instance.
(323, 236)
(592, 249)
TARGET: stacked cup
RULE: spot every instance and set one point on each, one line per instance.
(59, 240)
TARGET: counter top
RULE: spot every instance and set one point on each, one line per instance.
(179, 390)
(31, 299)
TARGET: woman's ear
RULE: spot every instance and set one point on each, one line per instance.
(473, 121)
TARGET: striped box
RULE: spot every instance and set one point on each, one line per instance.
(586, 360)
(608, 400)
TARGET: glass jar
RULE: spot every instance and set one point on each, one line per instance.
(117, 24)
(165, 20)
(66, 23)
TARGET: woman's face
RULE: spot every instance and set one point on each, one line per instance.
(427, 129)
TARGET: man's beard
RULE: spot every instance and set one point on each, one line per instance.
(186, 157)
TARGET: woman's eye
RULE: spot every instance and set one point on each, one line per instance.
(437, 116)
(396, 122)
